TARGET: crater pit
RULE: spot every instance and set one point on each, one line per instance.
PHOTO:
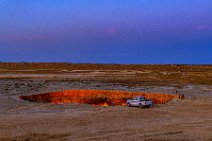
(98, 97)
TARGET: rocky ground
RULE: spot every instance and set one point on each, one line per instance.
(188, 119)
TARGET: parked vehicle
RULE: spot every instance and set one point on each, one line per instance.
(139, 101)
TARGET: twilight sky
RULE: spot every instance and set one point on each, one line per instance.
(106, 31)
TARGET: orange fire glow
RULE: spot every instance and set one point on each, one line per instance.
(98, 97)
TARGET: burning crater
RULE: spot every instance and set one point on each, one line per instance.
(98, 97)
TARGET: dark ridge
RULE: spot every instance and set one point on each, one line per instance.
(70, 66)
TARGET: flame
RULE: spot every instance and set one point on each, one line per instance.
(101, 104)
(98, 97)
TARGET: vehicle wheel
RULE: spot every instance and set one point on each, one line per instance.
(128, 105)
(140, 105)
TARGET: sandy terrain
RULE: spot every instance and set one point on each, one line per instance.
(188, 119)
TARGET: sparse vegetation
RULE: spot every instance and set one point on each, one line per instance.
(151, 74)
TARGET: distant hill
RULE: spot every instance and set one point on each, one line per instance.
(70, 66)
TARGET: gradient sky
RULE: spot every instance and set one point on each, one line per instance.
(106, 31)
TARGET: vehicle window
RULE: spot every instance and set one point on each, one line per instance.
(142, 99)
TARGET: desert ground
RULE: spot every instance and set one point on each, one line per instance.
(184, 120)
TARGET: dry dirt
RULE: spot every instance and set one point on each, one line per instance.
(188, 119)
